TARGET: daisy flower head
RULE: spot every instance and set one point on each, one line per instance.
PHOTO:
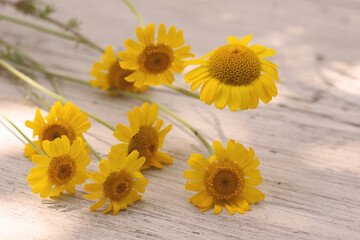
(109, 74)
(62, 120)
(155, 63)
(119, 180)
(226, 179)
(235, 75)
(144, 135)
(64, 167)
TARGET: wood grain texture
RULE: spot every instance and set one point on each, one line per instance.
(307, 138)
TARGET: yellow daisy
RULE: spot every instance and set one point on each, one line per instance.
(119, 180)
(62, 120)
(226, 179)
(62, 169)
(143, 136)
(235, 75)
(155, 63)
(109, 74)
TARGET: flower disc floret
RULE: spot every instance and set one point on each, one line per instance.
(234, 64)
(224, 180)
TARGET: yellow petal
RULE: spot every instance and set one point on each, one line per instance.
(96, 177)
(134, 164)
(230, 150)
(163, 157)
(98, 204)
(140, 184)
(56, 191)
(153, 113)
(198, 162)
(126, 56)
(40, 160)
(257, 48)
(138, 77)
(237, 208)
(267, 53)
(93, 196)
(129, 64)
(119, 205)
(178, 40)
(217, 209)
(70, 188)
(149, 34)
(272, 72)
(109, 208)
(221, 96)
(123, 133)
(230, 209)
(255, 193)
(219, 150)
(93, 187)
(133, 47)
(233, 40)
(234, 98)
(195, 186)
(245, 98)
(202, 199)
(253, 180)
(140, 35)
(46, 191)
(193, 175)
(161, 33)
(104, 167)
(171, 34)
(245, 40)
(195, 72)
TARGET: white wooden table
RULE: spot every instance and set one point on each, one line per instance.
(307, 138)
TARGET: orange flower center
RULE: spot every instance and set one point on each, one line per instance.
(156, 58)
(234, 64)
(118, 185)
(145, 141)
(61, 170)
(224, 180)
(116, 79)
(55, 129)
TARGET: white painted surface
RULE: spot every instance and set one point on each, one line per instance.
(307, 138)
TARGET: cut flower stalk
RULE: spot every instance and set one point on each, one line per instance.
(53, 95)
(48, 92)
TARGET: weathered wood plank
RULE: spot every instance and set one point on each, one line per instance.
(307, 138)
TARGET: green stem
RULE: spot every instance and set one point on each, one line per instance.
(93, 150)
(166, 110)
(163, 108)
(35, 95)
(46, 30)
(182, 90)
(36, 27)
(178, 89)
(48, 92)
(24, 136)
(80, 36)
(33, 62)
(137, 14)
(42, 70)
(55, 22)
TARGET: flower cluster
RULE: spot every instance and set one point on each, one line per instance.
(63, 164)
(232, 75)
